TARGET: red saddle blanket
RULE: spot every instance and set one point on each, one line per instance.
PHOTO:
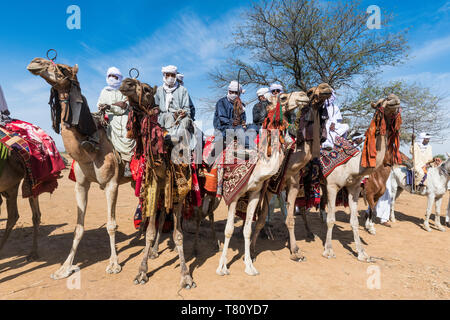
(343, 151)
(42, 161)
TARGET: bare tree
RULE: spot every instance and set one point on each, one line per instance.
(301, 43)
(421, 109)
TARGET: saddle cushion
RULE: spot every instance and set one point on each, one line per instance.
(343, 151)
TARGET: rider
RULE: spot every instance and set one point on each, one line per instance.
(115, 104)
(334, 125)
(260, 108)
(175, 109)
(226, 118)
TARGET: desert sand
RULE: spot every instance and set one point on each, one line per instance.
(411, 263)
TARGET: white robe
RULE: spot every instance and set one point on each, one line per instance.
(421, 157)
(340, 129)
(118, 118)
(383, 207)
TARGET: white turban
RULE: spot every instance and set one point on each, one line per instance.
(275, 86)
(234, 87)
(3, 104)
(423, 136)
(169, 69)
(262, 92)
(113, 84)
(180, 77)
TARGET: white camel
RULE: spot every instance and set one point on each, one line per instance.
(437, 181)
(266, 167)
(350, 174)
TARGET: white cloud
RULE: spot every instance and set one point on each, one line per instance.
(432, 49)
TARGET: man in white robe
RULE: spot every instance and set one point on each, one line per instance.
(116, 108)
(422, 155)
(175, 108)
(334, 125)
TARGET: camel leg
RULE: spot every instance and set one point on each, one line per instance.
(370, 225)
(81, 194)
(353, 195)
(309, 234)
(252, 203)
(34, 204)
(186, 279)
(430, 203)
(111, 226)
(155, 248)
(323, 204)
(229, 228)
(437, 216)
(396, 193)
(331, 219)
(260, 224)
(290, 223)
(13, 213)
(447, 219)
(200, 213)
(150, 234)
(212, 207)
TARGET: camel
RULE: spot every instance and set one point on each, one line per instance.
(102, 167)
(297, 161)
(141, 99)
(350, 174)
(13, 173)
(437, 180)
(266, 167)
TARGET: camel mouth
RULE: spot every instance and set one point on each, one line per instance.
(35, 68)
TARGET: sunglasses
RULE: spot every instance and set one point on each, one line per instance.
(276, 90)
(232, 92)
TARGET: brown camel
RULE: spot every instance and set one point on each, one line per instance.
(13, 173)
(298, 160)
(141, 99)
(350, 174)
(102, 167)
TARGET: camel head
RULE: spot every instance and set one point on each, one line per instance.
(58, 75)
(290, 101)
(138, 92)
(390, 104)
(318, 95)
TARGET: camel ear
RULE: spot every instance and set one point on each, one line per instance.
(75, 70)
(154, 89)
(373, 105)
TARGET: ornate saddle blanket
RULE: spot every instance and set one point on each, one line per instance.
(342, 151)
(276, 182)
(41, 160)
(235, 172)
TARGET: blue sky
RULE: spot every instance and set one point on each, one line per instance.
(190, 34)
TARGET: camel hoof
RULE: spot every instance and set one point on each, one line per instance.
(113, 268)
(251, 271)
(154, 255)
(141, 278)
(441, 228)
(297, 257)
(32, 257)
(372, 231)
(364, 257)
(427, 228)
(64, 272)
(222, 271)
(187, 282)
(329, 254)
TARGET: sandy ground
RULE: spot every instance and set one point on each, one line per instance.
(410, 262)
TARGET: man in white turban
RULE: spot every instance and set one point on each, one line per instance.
(422, 155)
(115, 105)
(334, 125)
(175, 109)
(260, 108)
(276, 89)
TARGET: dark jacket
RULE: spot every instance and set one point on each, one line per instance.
(223, 116)
(260, 112)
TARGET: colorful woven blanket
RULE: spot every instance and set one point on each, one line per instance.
(40, 158)
(343, 151)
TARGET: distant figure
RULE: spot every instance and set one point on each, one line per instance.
(180, 79)
(422, 155)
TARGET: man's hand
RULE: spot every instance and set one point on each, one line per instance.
(332, 126)
(121, 104)
(235, 123)
(104, 107)
(182, 114)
